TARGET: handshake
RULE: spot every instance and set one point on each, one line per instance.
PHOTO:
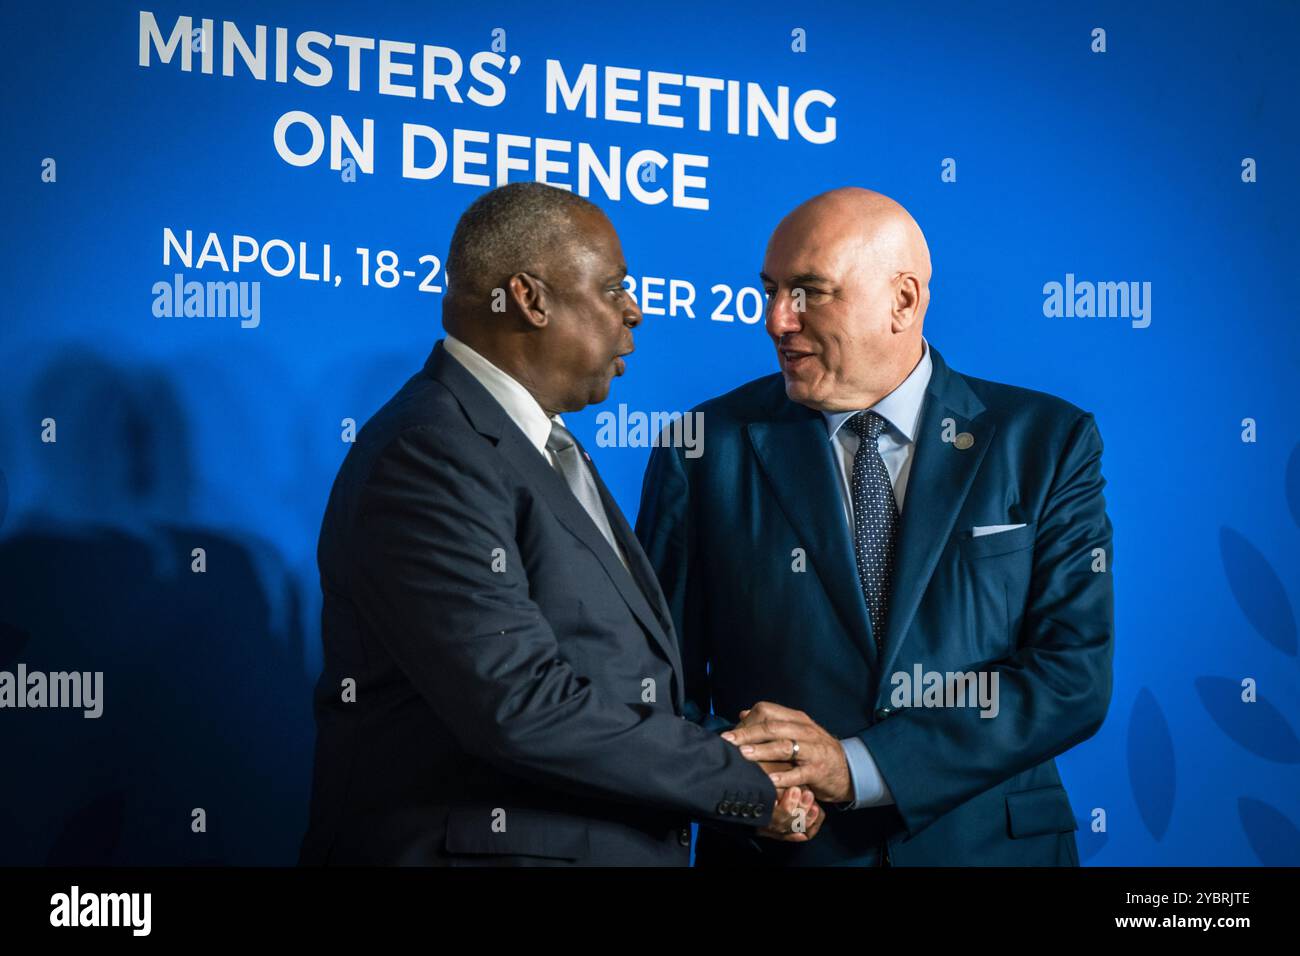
(805, 763)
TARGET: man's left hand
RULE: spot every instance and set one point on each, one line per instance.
(766, 733)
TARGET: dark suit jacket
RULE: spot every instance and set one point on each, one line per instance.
(725, 531)
(508, 669)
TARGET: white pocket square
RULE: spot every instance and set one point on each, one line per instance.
(980, 530)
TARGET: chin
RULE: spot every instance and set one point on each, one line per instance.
(803, 394)
(796, 390)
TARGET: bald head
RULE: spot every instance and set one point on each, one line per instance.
(867, 225)
(848, 279)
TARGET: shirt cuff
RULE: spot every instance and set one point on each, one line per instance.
(869, 787)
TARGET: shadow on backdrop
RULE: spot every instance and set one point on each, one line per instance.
(206, 701)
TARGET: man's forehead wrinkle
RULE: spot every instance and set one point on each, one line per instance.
(807, 270)
(818, 250)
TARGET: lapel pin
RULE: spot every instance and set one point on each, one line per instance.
(964, 441)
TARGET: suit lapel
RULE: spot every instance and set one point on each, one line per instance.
(545, 480)
(940, 479)
(646, 580)
(490, 419)
(795, 454)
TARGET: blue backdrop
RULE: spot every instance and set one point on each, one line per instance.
(175, 433)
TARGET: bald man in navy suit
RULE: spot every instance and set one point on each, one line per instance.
(907, 568)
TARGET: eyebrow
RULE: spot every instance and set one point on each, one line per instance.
(803, 278)
(618, 276)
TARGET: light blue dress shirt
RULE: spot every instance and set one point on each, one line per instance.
(901, 408)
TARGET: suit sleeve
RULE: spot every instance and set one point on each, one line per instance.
(439, 572)
(1053, 692)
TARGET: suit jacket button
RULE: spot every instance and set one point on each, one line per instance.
(883, 712)
(724, 807)
(684, 836)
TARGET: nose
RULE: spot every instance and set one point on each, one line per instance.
(632, 312)
(782, 317)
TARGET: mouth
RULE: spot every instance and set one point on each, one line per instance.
(793, 359)
(619, 365)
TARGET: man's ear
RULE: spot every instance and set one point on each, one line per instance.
(907, 301)
(529, 296)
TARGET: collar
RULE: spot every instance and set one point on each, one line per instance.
(517, 401)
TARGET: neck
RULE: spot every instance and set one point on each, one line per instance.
(508, 353)
(903, 369)
(908, 366)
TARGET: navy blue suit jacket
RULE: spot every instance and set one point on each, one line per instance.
(725, 532)
(518, 691)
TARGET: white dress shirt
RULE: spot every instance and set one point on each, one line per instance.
(518, 402)
(901, 408)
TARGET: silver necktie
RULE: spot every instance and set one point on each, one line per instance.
(578, 477)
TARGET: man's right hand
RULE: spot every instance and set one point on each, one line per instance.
(796, 818)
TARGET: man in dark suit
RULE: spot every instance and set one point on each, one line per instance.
(502, 683)
(909, 568)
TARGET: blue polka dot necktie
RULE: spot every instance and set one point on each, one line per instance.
(875, 519)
